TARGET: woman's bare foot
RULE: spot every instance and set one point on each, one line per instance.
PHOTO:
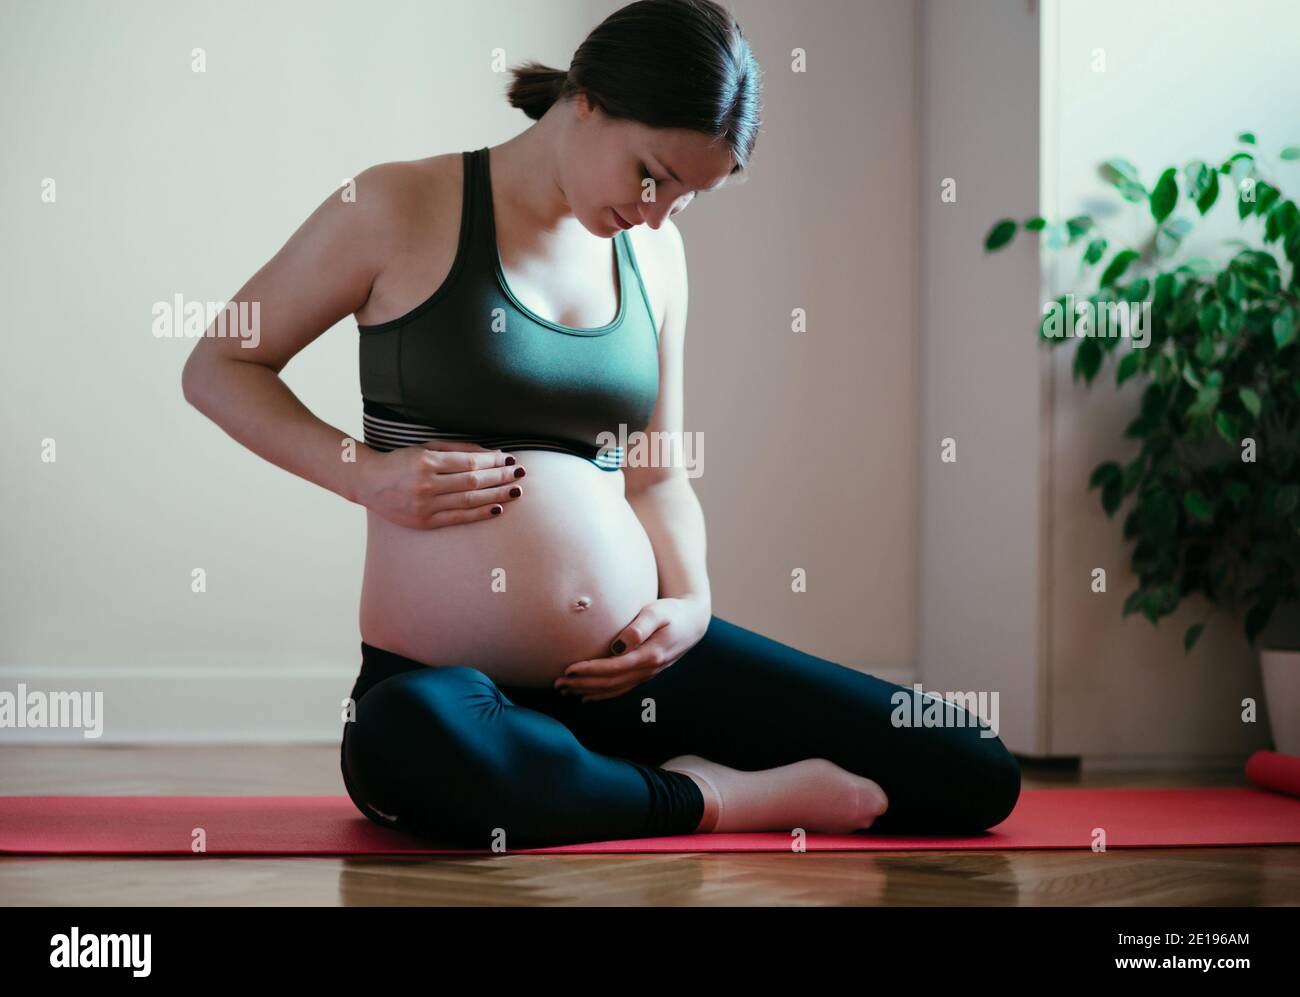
(814, 794)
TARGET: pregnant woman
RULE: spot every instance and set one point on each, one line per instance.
(540, 663)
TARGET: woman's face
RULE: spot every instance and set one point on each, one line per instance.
(613, 168)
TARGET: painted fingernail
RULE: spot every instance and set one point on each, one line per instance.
(618, 647)
(520, 472)
(496, 510)
(516, 492)
(510, 460)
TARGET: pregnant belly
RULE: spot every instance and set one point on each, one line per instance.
(519, 596)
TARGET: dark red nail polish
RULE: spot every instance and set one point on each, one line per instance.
(510, 460)
(519, 472)
(619, 647)
(496, 510)
(516, 492)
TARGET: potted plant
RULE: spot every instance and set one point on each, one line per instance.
(1216, 478)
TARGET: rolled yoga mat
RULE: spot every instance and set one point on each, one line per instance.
(331, 825)
(1270, 770)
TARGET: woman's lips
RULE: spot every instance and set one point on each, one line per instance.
(623, 223)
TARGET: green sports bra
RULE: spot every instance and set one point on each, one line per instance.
(472, 363)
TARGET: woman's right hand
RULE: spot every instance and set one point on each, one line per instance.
(440, 483)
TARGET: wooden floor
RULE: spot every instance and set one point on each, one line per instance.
(1175, 876)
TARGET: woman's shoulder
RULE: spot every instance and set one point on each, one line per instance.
(661, 258)
(413, 193)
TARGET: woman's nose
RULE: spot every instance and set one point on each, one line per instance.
(678, 204)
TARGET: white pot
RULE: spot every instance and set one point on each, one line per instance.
(1281, 673)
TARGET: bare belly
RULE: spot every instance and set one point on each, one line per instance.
(519, 596)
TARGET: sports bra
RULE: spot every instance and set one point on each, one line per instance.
(473, 363)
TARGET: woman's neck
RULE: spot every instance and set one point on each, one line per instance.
(524, 178)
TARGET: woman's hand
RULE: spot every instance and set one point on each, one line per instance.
(440, 483)
(661, 633)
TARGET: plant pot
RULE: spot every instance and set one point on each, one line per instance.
(1281, 673)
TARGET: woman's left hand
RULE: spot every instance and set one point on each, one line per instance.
(661, 633)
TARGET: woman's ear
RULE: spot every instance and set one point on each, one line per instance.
(585, 105)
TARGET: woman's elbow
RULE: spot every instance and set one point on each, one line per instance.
(197, 377)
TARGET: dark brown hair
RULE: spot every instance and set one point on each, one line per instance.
(665, 64)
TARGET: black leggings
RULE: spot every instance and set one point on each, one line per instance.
(446, 753)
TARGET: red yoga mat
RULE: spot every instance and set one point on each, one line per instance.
(331, 825)
(1270, 770)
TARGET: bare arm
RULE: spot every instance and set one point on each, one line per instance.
(322, 274)
(662, 497)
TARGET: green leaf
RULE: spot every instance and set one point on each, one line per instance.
(1136, 291)
(1247, 198)
(1255, 259)
(1190, 637)
(1238, 493)
(1227, 427)
(1119, 167)
(1196, 504)
(1282, 221)
(1118, 264)
(1229, 287)
(1087, 359)
(1170, 235)
(1132, 602)
(1103, 473)
(1052, 326)
(1290, 152)
(1198, 177)
(1034, 224)
(1237, 162)
(1257, 619)
(1249, 400)
(1207, 399)
(1122, 175)
(1133, 472)
(1095, 251)
(1206, 198)
(1165, 195)
(1205, 350)
(1273, 223)
(1284, 331)
(1128, 366)
(1112, 494)
(1210, 318)
(1247, 137)
(999, 235)
(1265, 195)
(1198, 265)
(1078, 225)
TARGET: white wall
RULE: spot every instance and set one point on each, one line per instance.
(174, 182)
(980, 372)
